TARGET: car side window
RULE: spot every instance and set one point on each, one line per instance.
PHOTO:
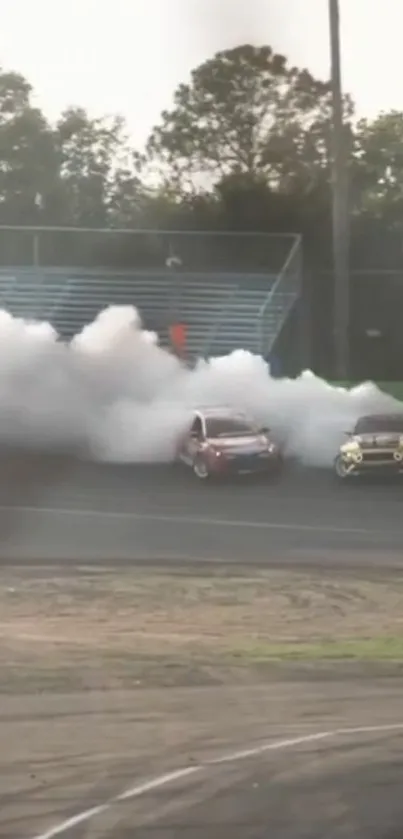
(197, 428)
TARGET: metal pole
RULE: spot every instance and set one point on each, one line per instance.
(35, 256)
(340, 204)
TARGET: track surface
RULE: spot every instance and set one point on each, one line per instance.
(351, 788)
(347, 787)
(269, 775)
(76, 511)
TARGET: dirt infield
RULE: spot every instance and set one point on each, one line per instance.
(110, 677)
(96, 629)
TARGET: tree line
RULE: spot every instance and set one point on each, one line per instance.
(246, 145)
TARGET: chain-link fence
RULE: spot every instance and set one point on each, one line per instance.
(145, 250)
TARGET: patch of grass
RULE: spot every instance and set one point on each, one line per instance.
(358, 649)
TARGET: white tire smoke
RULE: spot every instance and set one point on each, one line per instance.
(124, 398)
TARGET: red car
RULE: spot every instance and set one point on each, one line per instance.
(221, 442)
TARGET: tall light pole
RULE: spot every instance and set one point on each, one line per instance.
(340, 202)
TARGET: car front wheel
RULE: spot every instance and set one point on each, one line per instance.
(200, 469)
(341, 469)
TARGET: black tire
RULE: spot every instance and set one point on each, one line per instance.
(200, 469)
(342, 474)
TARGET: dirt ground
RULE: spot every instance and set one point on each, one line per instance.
(100, 629)
(98, 671)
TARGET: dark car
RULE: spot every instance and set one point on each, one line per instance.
(221, 442)
(375, 444)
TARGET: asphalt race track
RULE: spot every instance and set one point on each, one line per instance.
(56, 509)
(348, 782)
(350, 787)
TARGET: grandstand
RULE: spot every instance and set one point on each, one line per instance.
(232, 290)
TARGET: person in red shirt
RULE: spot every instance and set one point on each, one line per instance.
(178, 339)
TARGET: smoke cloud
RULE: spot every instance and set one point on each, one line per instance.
(116, 392)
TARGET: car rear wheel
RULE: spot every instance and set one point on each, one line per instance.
(200, 469)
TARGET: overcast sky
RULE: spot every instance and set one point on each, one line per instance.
(128, 56)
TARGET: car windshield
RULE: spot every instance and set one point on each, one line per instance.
(376, 425)
(228, 427)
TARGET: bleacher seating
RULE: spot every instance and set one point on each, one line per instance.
(221, 311)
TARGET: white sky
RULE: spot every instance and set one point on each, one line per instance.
(128, 56)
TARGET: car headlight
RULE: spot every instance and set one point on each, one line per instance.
(350, 449)
(217, 452)
(270, 449)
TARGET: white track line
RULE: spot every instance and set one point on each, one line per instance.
(197, 520)
(86, 815)
(170, 777)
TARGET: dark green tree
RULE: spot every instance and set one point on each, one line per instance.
(28, 157)
(245, 112)
(378, 167)
(90, 151)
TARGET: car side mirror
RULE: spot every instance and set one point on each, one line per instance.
(349, 433)
(265, 430)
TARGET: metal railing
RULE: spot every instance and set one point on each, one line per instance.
(222, 315)
(289, 279)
